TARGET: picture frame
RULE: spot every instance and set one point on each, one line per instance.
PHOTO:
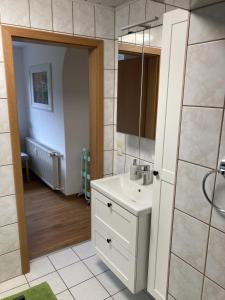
(41, 86)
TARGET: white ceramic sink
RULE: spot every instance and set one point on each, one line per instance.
(132, 195)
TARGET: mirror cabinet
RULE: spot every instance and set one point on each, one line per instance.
(138, 80)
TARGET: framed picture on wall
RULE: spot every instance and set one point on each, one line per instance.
(41, 86)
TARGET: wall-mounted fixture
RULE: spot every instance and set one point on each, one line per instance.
(221, 171)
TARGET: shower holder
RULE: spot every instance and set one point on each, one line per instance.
(220, 171)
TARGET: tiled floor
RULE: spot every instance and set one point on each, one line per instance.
(73, 273)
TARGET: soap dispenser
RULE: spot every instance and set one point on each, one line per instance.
(134, 170)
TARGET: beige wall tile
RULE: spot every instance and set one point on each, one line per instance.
(1, 48)
(10, 265)
(189, 196)
(6, 151)
(122, 19)
(119, 141)
(104, 21)
(4, 116)
(84, 22)
(109, 54)
(3, 92)
(119, 163)
(137, 11)
(132, 145)
(170, 297)
(108, 162)
(8, 211)
(156, 36)
(41, 14)
(212, 291)
(62, 16)
(147, 149)
(215, 265)
(154, 9)
(204, 88)
(109, 84)
(108, 137)
(207, 24)
(189, 240)
(200, 132)
(15, 12)
(108, 111)
(7, 181)
(185, 282)
(9, 240)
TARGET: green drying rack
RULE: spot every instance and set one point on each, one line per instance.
(85, 172)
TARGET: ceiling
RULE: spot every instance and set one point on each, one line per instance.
(186, 4)
(189, 4)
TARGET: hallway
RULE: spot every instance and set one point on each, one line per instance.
(54, 221)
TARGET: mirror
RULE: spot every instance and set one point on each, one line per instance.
(137, 91)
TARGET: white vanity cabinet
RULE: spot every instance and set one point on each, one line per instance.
(121, 240)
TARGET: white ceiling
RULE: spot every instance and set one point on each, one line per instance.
(112, 3)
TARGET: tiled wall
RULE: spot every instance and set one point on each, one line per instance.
(128, 147)
(64, 16)
(197, 269)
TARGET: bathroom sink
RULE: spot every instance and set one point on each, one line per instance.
(131, 195)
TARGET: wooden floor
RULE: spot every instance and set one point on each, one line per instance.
(53, 220)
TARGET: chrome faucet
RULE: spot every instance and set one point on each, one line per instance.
(145, 172)
(141, 171)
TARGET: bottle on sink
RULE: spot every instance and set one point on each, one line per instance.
(134, 171)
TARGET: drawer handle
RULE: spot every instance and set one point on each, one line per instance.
(109, 241)
(109, 204)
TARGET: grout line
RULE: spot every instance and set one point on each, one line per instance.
(29, 12)
(14, 250)
(205, 42)
(52, 15)
(187, 263)
(2, 226)
(196, 164)
(184, 212)
(203, 106)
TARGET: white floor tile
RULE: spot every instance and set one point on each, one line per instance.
(12, 283)
(63, 258)
(126, 295)
(39, 267)
(14, 291)
(84, 250)
(75, 274)
(110, 282)
(90, 289)
(64, 296)
(95, 265)
(54, 281)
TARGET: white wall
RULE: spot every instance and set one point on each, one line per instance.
(66, 128)
(76, 111)
(47, 127)
(21, 95)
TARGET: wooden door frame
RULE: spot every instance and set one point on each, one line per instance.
(96, 76)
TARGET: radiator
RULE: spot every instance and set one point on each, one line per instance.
(44, 162)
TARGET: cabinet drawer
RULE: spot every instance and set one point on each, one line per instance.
(118, 219)
(118, 259)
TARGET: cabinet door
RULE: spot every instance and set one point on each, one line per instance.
(173, 57)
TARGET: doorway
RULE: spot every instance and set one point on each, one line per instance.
(95, 58)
